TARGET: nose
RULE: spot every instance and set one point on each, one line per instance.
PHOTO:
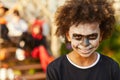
(85, 41)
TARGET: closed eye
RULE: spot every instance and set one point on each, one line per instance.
(92, 36)
(77, 36)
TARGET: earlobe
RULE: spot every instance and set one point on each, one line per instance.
(68, 37)
(101, 37)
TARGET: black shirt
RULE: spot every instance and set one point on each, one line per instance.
(62, 69)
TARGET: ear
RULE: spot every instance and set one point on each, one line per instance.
(68, 36)
(101, 36)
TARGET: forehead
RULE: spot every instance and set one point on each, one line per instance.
(85, 29)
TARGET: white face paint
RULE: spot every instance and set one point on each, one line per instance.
(84, 38)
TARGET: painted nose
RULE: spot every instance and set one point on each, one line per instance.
(85, 42)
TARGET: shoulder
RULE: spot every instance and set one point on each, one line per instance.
(109, 61)
(57, 62)
(54, 68)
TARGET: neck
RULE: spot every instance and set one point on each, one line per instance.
(82, 61)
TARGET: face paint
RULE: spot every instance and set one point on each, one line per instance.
(84, 38)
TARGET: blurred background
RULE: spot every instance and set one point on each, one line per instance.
(28, 42)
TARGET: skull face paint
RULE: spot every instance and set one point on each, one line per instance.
(84, 38)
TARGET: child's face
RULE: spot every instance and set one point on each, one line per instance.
(2, 11)
(84, 38)
(36, 30)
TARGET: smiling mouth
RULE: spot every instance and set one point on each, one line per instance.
(85, 51)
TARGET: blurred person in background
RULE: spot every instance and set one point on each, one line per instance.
(16, 27)
(41, 46)
(3, 24)
(37, 32)
(34, 42)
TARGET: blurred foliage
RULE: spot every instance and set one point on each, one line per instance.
(109, 47)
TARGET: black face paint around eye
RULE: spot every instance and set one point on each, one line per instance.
(77, 36)
(89, 37)
(92, 36)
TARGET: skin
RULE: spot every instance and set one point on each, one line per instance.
(36, 30)
(2, 12)
(85, 39)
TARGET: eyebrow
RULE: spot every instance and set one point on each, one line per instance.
(75, 34)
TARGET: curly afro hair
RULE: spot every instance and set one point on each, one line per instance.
(74, 12)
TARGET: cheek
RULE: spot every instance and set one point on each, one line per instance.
(74, 43)
(95, 43)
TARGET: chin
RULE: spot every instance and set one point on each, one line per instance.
(84, 55)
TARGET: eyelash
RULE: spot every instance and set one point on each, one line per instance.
(78, 37)
(90, 37)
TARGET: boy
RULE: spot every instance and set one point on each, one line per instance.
(84, 23)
